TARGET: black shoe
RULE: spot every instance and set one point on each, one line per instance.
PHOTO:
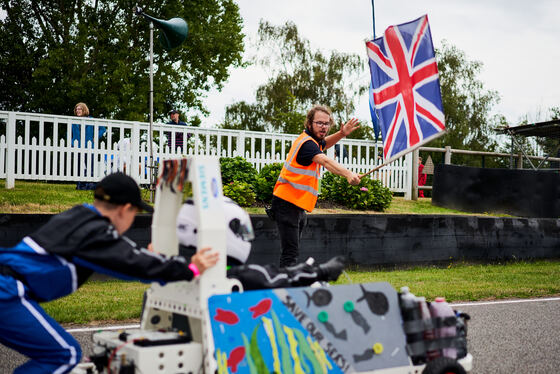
(296, 269)
(331, 270)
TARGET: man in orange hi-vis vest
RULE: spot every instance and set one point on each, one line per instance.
(297, 187)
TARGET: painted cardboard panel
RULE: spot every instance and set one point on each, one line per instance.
(337, 329)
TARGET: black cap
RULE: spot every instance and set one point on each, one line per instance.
(173, 111)
(119, 189)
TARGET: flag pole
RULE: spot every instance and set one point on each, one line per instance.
(373, 23)
(373, 16)
(374, 169)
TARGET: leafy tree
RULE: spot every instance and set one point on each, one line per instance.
(55, 54)
(299, 78)
(466, 105)
(244, 116)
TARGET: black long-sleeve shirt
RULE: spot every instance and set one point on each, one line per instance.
(59, 257)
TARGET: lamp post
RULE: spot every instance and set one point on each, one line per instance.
(151, 135)
(173, 34)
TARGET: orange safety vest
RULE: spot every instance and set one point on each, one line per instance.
(296, 183)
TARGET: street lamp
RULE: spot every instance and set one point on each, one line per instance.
(173, 33)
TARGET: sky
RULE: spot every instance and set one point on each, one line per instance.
(517, 41)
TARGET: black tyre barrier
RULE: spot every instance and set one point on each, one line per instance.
(373, 239)
(386, 239)
(523, 193)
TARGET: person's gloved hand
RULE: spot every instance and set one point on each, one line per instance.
(331, 270)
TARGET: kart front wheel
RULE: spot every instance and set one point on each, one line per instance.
(444, 365)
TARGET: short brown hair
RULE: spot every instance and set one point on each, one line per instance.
(311, 115)
(85, 109)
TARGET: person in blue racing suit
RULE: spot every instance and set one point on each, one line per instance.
(60, 256)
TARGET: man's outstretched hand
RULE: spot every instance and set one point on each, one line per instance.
(353, 179)
(349, 127)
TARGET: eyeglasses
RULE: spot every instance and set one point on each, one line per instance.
(322, 124)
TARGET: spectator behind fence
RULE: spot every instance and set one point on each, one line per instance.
(82, 110)
(174, 120)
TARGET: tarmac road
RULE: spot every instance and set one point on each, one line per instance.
(504, 337)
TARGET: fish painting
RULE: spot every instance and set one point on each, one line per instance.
(360, 321)
(368, 354)
(321, 297)
(235, 357)
(339, 335)
(376, 301)
(226, 316)
(261, 308)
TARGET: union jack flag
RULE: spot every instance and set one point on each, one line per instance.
(406, 90)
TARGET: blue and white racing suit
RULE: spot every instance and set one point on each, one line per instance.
(53, 262)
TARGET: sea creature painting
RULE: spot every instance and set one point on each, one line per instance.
(376, 301)
(360, 321)
(339, 335)
(226, 316)
(321, 297)
(235, 357)
(366, 355)
(261, 308)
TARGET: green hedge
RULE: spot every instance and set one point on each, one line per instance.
(237, 169)
(240, 192)
(245, 186)
(368, 195)
(266, 180)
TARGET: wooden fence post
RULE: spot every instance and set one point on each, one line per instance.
(240, 151)
(135, 163)
(520, 161)
(447, 159)
(415, 155)
(11, 150)
(408, 176)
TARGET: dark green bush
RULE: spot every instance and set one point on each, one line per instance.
(266, 180)
(368, 195)
(240, 192)
(237, 169)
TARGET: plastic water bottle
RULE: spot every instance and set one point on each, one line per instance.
(411, 312)
(440, 308)
(429, 334)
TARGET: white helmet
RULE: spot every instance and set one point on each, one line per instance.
(239, 228)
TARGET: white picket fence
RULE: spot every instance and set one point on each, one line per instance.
(39, 147)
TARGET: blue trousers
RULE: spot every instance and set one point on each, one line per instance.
(26, 328)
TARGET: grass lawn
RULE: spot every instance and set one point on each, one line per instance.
(104, 301)
(44, 197)
(49, 197)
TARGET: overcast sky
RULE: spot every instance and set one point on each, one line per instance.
(517, 41)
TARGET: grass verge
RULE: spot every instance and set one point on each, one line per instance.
(104, 301)
(44, 197)
(49, 197)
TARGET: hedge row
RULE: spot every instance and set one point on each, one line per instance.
(243, 184)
